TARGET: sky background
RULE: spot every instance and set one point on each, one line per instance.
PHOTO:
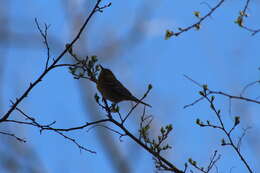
(128, 38)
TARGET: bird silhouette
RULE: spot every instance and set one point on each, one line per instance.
(113, 90)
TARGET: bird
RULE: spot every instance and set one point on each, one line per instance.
(112, 89)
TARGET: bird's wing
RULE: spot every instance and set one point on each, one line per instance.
(118, 88)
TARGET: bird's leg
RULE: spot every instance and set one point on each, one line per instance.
(106, 105)
(113, 107)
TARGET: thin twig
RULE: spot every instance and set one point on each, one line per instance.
(241, 137)
(44, 35)
(75, 142)
(193, 103)
(39, 79)
(206, 93)
(234, 97)
(247, 86)
(159, 157)
(132, 109)
(211, 92)
(240, 19)
(213, 161)
(13, 135)
(108, 128)
(57, 130)
(201, 19)
(170, 166)
(228, 135)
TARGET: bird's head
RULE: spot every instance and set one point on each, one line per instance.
(105, 74)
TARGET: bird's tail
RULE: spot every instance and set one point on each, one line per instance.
(139, 101)
(145, 104)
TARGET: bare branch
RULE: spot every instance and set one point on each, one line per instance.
(13, 135)
(44, 35)
(241, 18)
(226, 132)
(213, 161)
(39, 79)
(206, 92)
(201, 19)
(247, 86)
(131, 110)
(193, 103)
(75, 142)
(241, 137)
(57, 130)
(168, 165)
(211, 92)
(108, 128)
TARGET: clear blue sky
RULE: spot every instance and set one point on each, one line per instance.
(221, 55)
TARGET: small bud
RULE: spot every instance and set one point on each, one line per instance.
(212, 98)
(117, 109)
(223, 142)
(169, 127)
(72, 70)
(239, 21)
(70, 49)
(205, 87)
(150, 86)
(197, 14)
(180, 29)
(200, 123)
(194, 162)
(190, 160)
(94, 58)
(81, 74)
(168, 34)
(97, 68)
(212, 106)
(162, 130)
(237, 120)
(202, 93)
(197, 26)
(242, 13)
(97, 97)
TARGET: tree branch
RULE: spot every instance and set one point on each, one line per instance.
(39, 79)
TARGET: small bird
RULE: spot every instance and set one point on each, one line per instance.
(112, 89)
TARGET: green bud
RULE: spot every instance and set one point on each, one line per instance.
(180, 29)
(168, 34)
(150, 86)
(197, 14)
(197, 26)
(223, 142)
(202, 93)
(162, 130)
(97, 97)
(237, 120)
(169, 127)
(94, 58)
(205, 87)
(239, 21)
